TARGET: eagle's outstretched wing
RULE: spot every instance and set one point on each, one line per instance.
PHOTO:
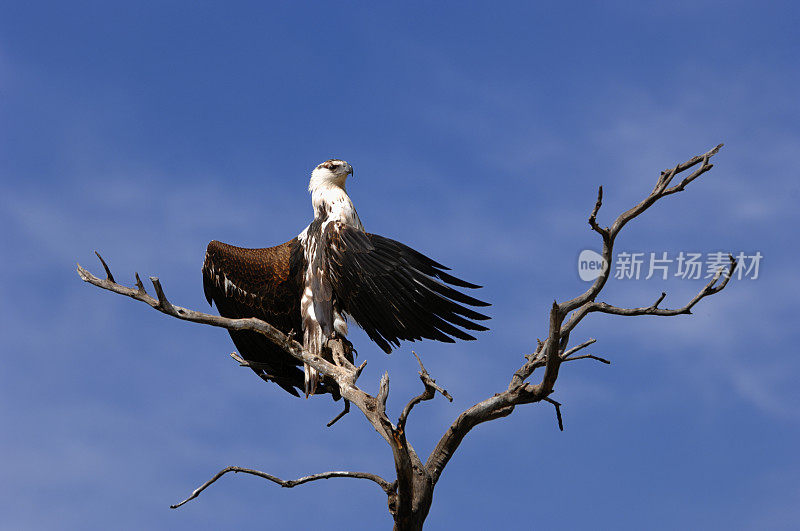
(263, 283)
(394, 292)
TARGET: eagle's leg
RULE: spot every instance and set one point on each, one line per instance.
(347, 348)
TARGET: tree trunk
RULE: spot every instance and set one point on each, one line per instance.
(412, 518)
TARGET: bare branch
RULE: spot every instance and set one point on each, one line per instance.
(558, 412)
(428, 394)
(345, 377)
(660, 190)
(344, 412)
(109, 276)
(534, 361)
(240, 360)
(163, 305)
(495, 407)
(502, 404)
(609, 235)
(653, 309)
(383, 392)
(700, 171)
(547, 352)
(573, 350)
(551, 357)
(385, 485)
(139, 285)
(358, 370)
(588, 357)
(428, 381)
(593, 217)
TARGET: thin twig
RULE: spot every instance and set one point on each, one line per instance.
(344, 412)
(358, 370)
(593, 216)
(575, 349)
(430, 391)
(240, 360)
(533, 362)
(385, 485)
(428, 381)
(109, 276)
(588, 357)
(653, 309)
(139, 285)
(558, 412)
(164, 305)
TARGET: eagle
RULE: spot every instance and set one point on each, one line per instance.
(334, 270)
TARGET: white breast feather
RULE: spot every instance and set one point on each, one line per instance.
(316, 304)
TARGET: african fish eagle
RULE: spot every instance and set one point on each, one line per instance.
(331, 270)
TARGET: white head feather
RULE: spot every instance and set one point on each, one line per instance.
(328, 194)
(331, 173)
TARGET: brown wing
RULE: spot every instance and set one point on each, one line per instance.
(263, 283)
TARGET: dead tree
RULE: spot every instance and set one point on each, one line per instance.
(410, 495)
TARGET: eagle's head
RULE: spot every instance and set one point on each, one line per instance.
(332, 172)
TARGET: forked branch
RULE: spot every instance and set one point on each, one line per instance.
(564, 317)
(430, 391)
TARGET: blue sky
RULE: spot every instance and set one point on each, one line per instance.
(479, 133)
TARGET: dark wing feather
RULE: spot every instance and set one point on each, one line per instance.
(394, 292)
(263, 283)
